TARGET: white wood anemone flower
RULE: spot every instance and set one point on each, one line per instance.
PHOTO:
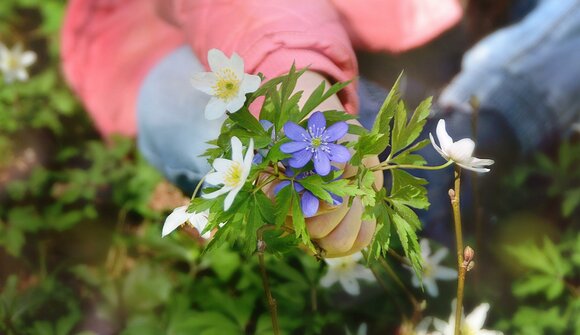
(180, 216)
(232, 174)
(460, 152)
(432, 271)
(471, 324)
(347, 271)
(13, 63)
(226, 83)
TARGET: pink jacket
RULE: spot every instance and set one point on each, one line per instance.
(108, 46)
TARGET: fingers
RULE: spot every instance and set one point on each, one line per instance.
(363, 239)
(342, 238)
(321, 225)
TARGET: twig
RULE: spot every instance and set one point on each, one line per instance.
(461, 268)
(272, 305)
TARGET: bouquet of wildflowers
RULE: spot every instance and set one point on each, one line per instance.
(272, 174)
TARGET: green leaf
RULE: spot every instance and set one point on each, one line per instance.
(409, 241)
(266, 207)
(283, 204)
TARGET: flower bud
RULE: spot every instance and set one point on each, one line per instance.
(468, 254)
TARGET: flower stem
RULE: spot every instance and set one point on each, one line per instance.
(386, 166)
(461, 269)
(393, 275)
(197, 187)
(272, 305)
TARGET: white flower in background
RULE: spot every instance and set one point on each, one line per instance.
(470, 325)
(231, 173)
(362, 330)
(460, 152)
(432, 271)
(227, 84)
(180, 215)
(346, 271)
(576, 127)
(422, 328)
(13, 63)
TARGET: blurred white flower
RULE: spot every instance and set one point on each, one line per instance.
(346, 271)
(459, 152)
(576, 127)
(227, 84)
(432, 271)
(362, 330)
(180, 215)
(471, 324)
(231, 173)
(422, 328)
(13, 63)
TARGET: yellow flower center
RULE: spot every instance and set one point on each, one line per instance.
(233, 175)
(11, 63)
(466, 330)
(345, 266)
(227, 85)
(316, 142)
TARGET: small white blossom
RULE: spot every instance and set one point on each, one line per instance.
(362, 330)
(576, 127)
(471, 324)
(232, 174)
(227, 84)
(180, 215)
(422, 328)
(13, 63)
(432, 271)
(346, 271)
(459, 152)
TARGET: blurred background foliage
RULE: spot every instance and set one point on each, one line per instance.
(81, 252)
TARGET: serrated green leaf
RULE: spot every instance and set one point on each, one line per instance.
(283, 204)
(409, 241)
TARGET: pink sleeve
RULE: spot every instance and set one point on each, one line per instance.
(397, 25)
(108, 46)
(270, 35)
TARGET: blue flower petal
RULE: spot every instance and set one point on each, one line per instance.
(317, 120)
(336, 131)
(281, 185)
(322, 163)
(295, 132)
(309, 204)
(336, 200)
(300, 158)
(298, 187)
(292, 147)
(338, 153)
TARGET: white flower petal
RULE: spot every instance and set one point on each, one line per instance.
(248, 159)
(178, 217)
(476, 319)
(461, 151)
(445, 273)
(204, 81)
(471, 168)
(437, 148)
(217, 193)
(236, 103)
(350, 285)
(237, 65)
(425, 248)
(440, 325)
(329, 279)
(222, 165)
(438, 256)
(444, 139)
(230, 198)
(364, 273)
(237, 155)
(489, 332)
(431, 287)
(21, 74)
(28, 58)
(217, 60)
(477, 162)
(250, 83)
(199, 221)
(215, 178)
(215, 109)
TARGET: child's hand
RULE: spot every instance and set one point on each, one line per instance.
(339, 230)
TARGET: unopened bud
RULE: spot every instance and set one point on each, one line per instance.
(452, 194)
(468, 254)
(261, 246)
(470, 266)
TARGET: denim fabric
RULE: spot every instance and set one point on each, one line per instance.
(528, 72)
(172, 129)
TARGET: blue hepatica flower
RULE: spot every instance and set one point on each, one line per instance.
(317, 143)
(309, 203)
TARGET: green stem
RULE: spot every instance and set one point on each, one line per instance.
(198, 187)
(461, 269)
(393, 275)
(272, 305)
(383, 166)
